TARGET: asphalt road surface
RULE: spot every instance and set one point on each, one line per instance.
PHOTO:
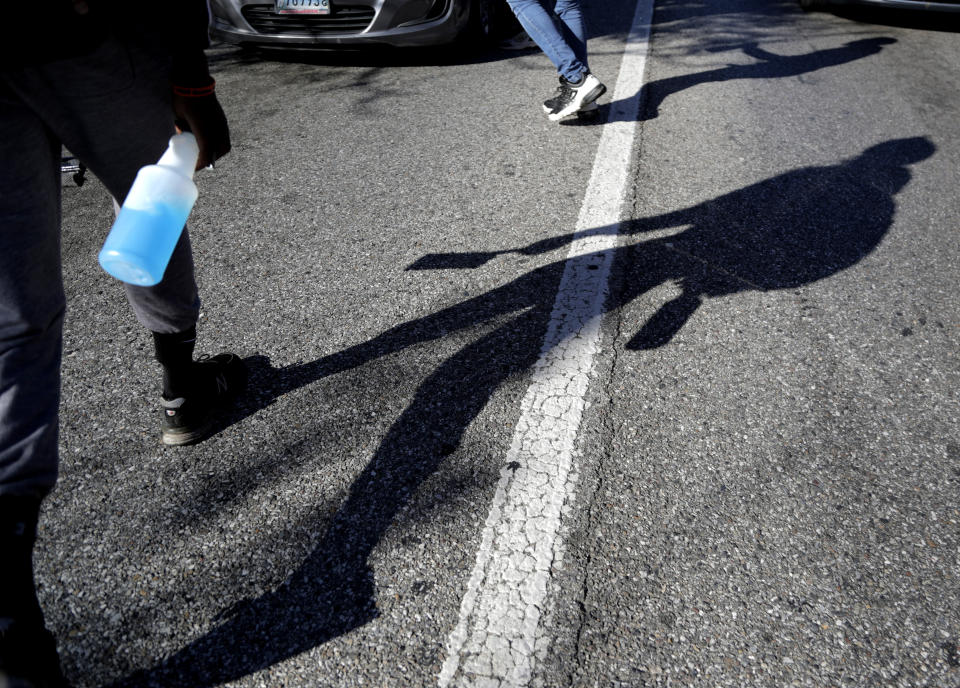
(665, 399)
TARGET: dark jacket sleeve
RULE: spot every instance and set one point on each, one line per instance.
(178, 28)
(38, 32)
(34, 33)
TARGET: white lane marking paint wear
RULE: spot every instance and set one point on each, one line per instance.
(499, 626)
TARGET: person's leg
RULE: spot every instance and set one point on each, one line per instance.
(31, 300)
(574, 31)
(574, 97)
(542, 25)
(112, 110)
(31, 321)
(561, 36)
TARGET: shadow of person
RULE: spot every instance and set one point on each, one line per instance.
(767, 66)
(782, 233)
(787, 231)
(332, 591)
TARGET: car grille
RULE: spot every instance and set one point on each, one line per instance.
(342, 19)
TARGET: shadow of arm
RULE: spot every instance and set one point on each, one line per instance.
(756, 52)
(460, 316)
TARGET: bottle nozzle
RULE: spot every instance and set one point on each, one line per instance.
(181, 154)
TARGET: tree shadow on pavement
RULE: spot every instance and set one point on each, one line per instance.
(667, 11)
(784, 232)
(767, 66)
(947, 22)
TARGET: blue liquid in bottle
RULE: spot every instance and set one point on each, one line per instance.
(154, 212)
(141, 243)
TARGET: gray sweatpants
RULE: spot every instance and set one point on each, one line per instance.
(112, 110)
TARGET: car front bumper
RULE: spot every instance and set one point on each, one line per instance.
(950, 6)
(375, 22)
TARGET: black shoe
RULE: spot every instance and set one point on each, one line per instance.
(28, 656)
(189, 419)
(28, 652)
(571, 97)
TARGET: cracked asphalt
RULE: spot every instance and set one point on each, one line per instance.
(764, 487)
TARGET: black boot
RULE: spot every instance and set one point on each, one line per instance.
(28, 652)
(174, 352)
(194, 392)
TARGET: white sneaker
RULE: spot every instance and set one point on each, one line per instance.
(572, 97)
(588, 111)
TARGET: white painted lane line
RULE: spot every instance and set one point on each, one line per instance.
(498, 630)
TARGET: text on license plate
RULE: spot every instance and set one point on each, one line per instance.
(302, 6)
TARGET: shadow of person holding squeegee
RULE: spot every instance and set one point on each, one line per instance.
(784, 232)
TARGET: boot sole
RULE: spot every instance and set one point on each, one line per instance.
(181, 439)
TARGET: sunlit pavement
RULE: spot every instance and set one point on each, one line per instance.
(762, 489)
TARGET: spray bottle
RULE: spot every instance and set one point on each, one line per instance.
(153, 215)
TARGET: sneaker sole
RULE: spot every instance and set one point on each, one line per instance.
(574, 107)
(589, 113)
(588, 109)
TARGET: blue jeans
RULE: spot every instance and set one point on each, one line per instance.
(559, 32)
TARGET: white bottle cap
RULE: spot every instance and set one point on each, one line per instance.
(181, 154)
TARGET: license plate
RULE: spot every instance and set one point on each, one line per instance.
(302, 6)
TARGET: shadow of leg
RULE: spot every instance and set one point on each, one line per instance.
(665, 323)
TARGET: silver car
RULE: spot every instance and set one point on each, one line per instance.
(302, 24)
(940, 6)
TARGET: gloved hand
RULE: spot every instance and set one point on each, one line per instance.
(203, 116)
